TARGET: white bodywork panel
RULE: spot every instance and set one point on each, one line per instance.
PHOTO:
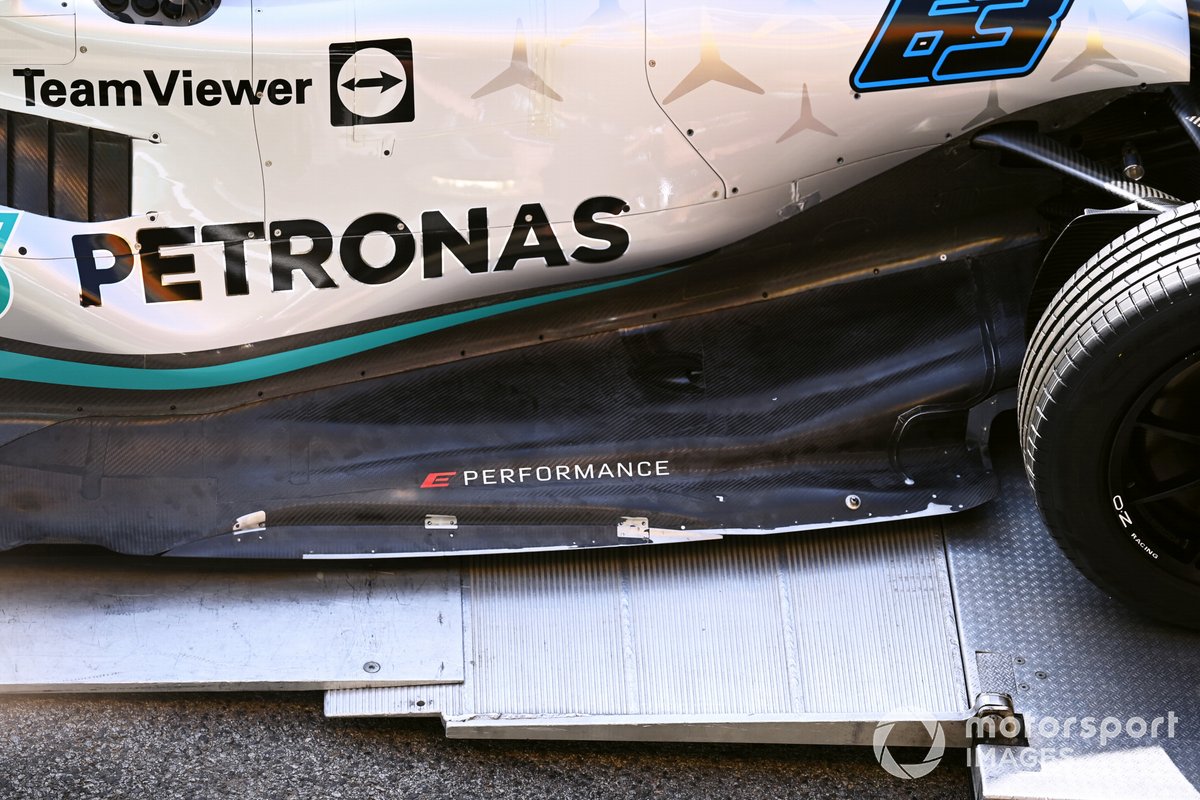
(517, 109)
(798, 113)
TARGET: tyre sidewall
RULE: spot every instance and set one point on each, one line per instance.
(1074, 446)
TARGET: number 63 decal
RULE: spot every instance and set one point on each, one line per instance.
(930, 42)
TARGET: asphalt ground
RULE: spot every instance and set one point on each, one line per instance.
(280, 746)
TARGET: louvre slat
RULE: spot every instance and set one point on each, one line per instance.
(69, 172)
(110, 188)
(4, 158)
(30, 142)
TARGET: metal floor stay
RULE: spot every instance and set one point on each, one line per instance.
(806, 638)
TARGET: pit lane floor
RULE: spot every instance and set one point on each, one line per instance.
(279, 746)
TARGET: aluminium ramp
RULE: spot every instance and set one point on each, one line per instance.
(118, 625)
(793, 638)
(805, 638)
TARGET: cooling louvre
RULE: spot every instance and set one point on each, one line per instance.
(62, 170)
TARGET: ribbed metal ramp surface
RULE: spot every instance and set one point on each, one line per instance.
(795, 638)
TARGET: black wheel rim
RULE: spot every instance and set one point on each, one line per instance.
(1154, 470)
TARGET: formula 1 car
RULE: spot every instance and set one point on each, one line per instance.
(368, 278)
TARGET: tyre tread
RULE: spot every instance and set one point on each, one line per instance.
(1126, 284)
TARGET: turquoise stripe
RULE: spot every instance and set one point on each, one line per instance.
(8, 221)
(96, 376)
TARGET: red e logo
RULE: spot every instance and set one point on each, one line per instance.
(437, 480)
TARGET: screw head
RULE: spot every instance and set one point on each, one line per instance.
(853, 502)
(371, 667)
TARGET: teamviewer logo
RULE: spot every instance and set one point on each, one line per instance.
(371, 83)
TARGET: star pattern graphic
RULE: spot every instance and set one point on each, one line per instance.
(519, 73)
(712, 68)
(1094, 55)
(803, 12)
(1150, 6)
(990, 111)
(807, 121)
(608, 15)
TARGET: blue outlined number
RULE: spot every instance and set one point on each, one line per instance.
(957, 41)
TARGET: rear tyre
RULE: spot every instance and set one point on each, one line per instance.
(1110, 417)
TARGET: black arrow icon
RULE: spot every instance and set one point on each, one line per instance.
(387, 84)
(383, 82)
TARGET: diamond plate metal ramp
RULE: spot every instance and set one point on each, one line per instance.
(806, 638)
(1040, 630)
